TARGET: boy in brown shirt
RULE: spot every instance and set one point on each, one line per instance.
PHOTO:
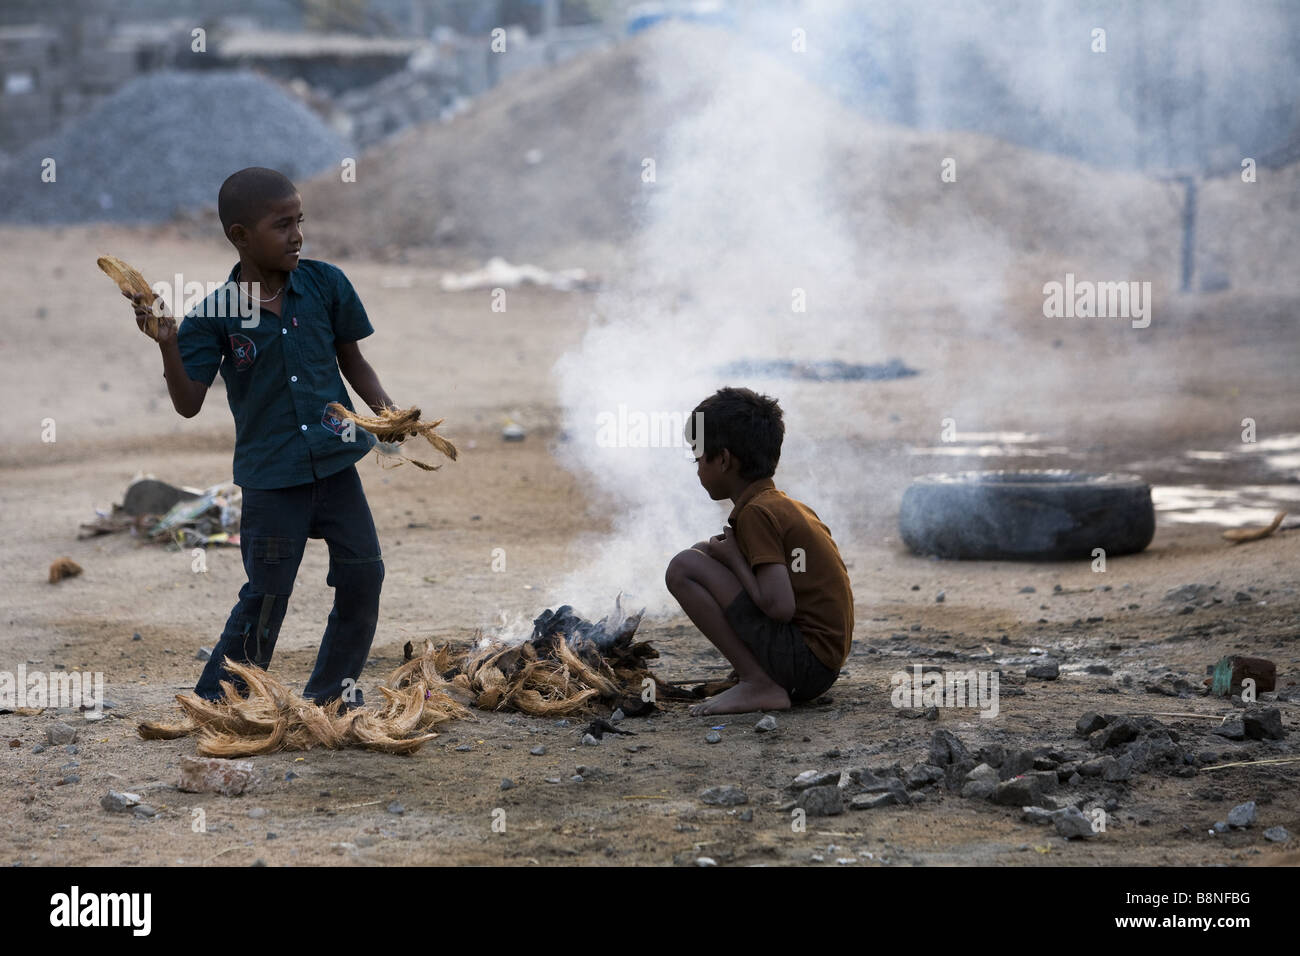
(771, 592)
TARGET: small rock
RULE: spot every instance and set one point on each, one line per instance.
(1029, 589)
(507, 783)
(747, 816)
(938, 598)
(463, 748)
(1018, 792)
(706, 861)
(946, 749)
(872, 801)
(1072, 824)
(1038, 815)
(618, 716)
(203, 654)
(215, 775)
(39, 749)
(396, 808)
(1241, 597)
(822, 801)
(1046, 670)
(117, 802)
(922, 775)
(1222, 827)
(1089, 724)
(816, 778)
(70, 778)
(1234, 728)
(713, 737)
(1242, 815)
(60, 733)
(1265, 724)
(538, 751)
(589, 741)
(726, 796)
(766, 724)
(341, 848)
(1276, 835)
(144, 810)
(136, 636)
(562, 723)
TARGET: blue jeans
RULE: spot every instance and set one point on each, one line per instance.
(274, 528)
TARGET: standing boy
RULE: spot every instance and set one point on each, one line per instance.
(294, 459)
(771, 592)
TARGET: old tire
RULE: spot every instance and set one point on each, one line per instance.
(1026, 515)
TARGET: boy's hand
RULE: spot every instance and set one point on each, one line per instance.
(723, 547)
(144, 313)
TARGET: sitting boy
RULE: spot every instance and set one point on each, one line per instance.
(771, 592)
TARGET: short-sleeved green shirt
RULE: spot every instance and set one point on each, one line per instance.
(281, 373)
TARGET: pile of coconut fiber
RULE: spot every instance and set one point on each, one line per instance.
(568, 666)
(272, 717)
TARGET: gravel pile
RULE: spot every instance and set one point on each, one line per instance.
(553, 160)
(164, 143)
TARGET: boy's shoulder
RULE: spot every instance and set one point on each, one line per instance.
(786, 510)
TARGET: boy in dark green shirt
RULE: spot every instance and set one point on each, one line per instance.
(280, 331)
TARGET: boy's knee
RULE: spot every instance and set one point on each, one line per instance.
(678, 571)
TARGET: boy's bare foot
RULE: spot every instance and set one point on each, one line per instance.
(744, 697)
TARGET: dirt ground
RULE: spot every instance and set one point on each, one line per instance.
(139, 614)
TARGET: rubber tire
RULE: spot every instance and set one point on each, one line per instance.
(1026, 515)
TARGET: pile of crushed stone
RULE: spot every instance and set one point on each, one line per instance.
(163, 144)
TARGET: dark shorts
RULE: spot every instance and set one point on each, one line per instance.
(781, 650)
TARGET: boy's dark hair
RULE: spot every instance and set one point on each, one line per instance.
(244, 194)
(749, 425)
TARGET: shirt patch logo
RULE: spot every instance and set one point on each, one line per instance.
(243, 350)
(333, 422)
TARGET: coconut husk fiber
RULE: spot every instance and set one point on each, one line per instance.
(272, 717)
(568, 666)
(395, 424)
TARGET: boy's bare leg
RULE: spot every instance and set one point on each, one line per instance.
(703, 587)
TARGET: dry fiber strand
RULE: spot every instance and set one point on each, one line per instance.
(130, 281)
(568, 666)
(63, 568)
(1238, 535)
(394, 424)
(274, 718)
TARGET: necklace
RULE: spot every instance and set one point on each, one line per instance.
(247, 292)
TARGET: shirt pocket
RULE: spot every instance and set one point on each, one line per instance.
(315, 338)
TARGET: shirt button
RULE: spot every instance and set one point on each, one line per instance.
(293, 378)
(304, 427)
(284, 331)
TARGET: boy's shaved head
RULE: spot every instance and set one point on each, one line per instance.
(245, 194)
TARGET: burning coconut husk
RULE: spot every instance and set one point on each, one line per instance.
(568, 666)
(395, 424)
(272, 717)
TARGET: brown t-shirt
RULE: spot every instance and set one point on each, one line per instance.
(772, 527)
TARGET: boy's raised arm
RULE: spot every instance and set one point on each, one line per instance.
(186, 394)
